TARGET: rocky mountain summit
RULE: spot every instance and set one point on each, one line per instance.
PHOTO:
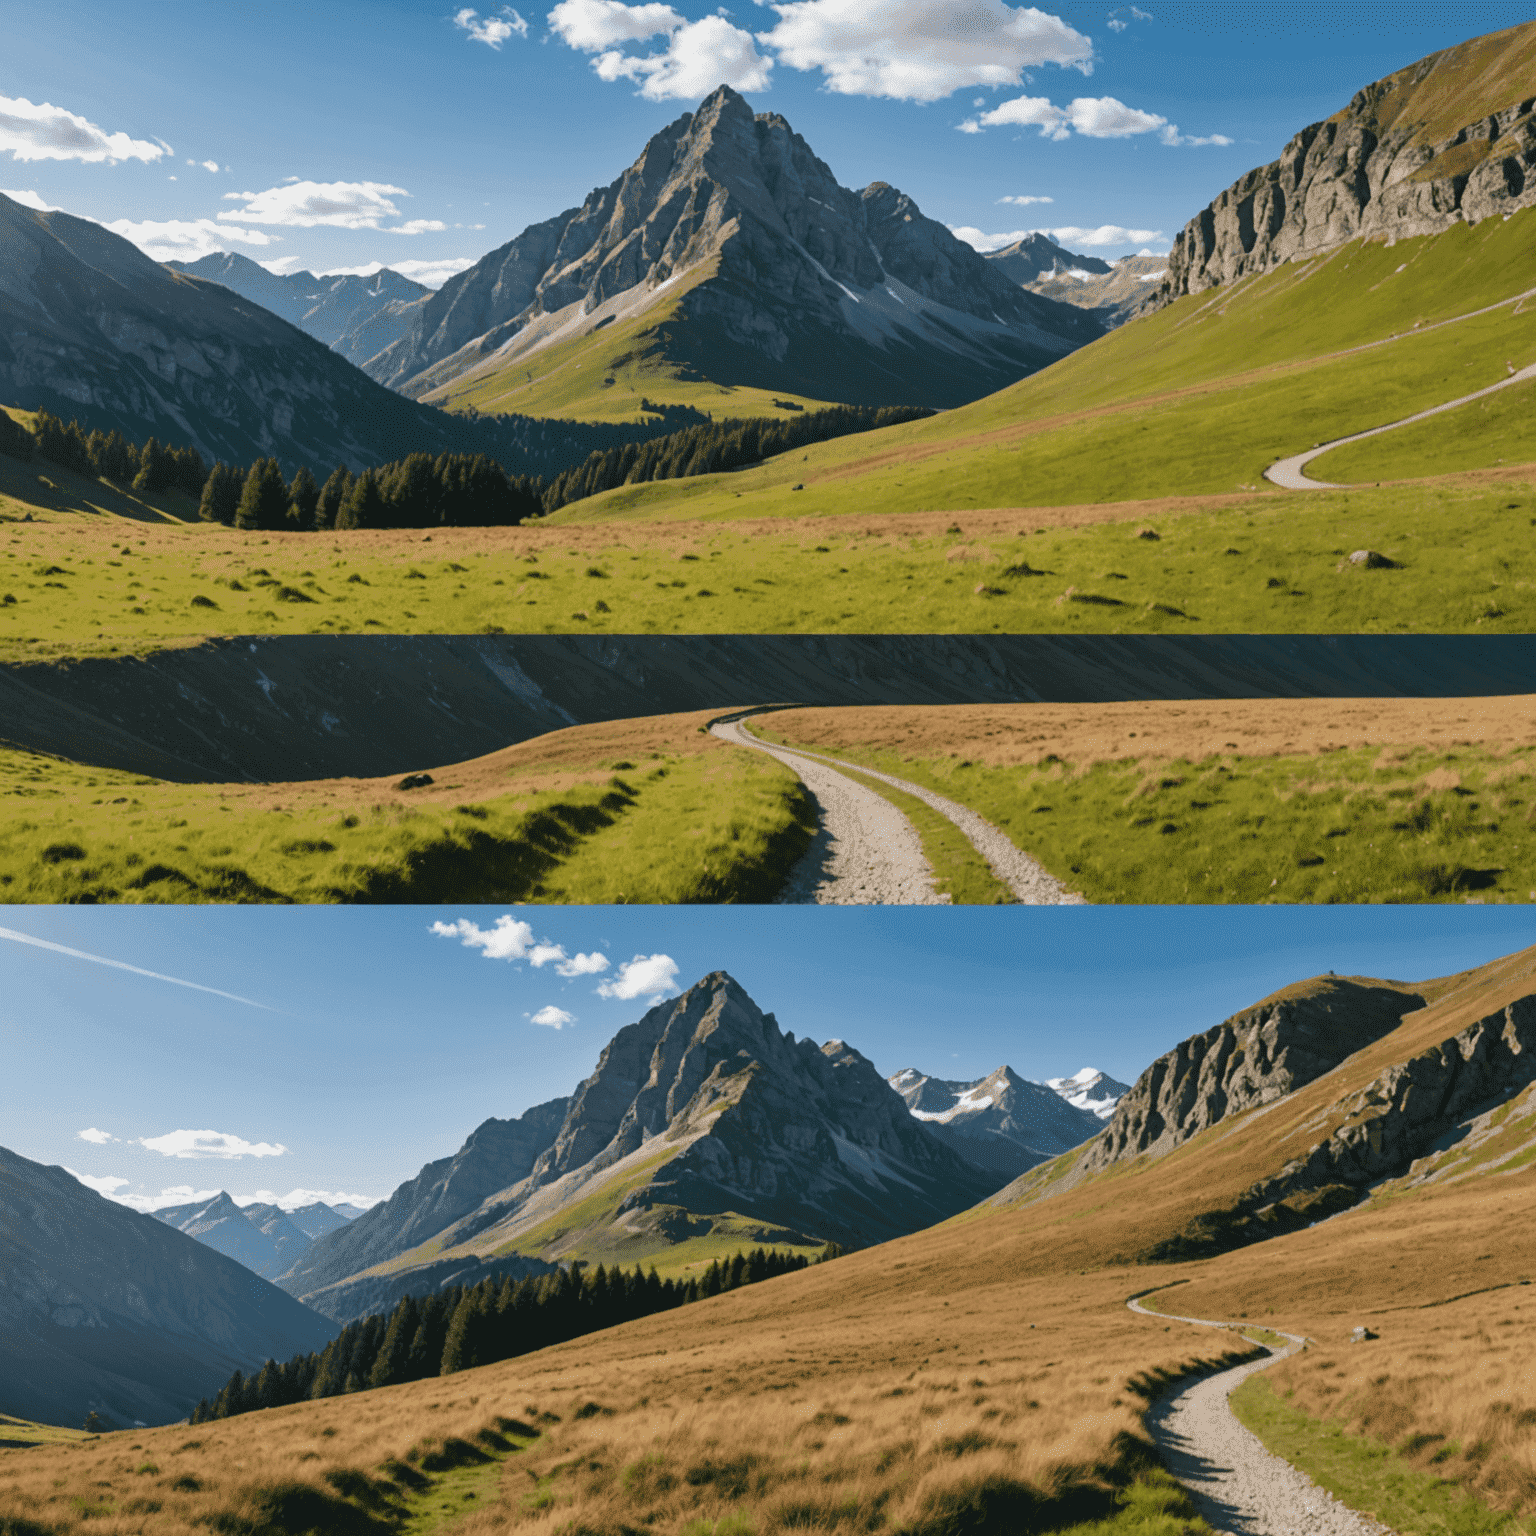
(1255, 1057)
(762, 270)
(103, 1308)
(702, 1119)
(352, 314)
(264, 1238)
(1090, 1089)
(1038, 256)
(1002, 1122)
(1450, 139)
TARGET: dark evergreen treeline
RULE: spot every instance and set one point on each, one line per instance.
(716, 446)
(463, 1326)
(451, 490)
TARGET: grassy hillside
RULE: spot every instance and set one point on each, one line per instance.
(1258, 563)
(1197, 398)
(638, 811)
(981, 1375)
(1242, 801)
(603, 370)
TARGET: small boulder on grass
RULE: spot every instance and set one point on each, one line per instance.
(1371, 560)
(415, 781)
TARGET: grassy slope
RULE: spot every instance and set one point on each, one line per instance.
(1352, 825)
(637, 811)
(980, 1375)
(1256, 564)
(1197, 398)
(603, 375)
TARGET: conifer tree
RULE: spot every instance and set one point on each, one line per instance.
(332, 494)
(303, 494)
(389, 1366)
(263, 498)
(364, 506)
(221, 495)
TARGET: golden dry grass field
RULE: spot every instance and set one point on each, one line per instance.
(980, 1376)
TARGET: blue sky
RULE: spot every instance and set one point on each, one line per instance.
(369, 1045)
(422, 135)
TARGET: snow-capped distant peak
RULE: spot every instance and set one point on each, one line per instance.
(1090, 1089)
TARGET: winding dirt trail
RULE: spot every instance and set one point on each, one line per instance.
(1289, 474)
(848, 807)
(1239, 1487)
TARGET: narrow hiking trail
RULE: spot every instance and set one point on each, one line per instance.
(1289, 474)
(866, 845)
(1239, 1487)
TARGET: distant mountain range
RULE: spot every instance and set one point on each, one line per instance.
(104, 1309)
(1090, 1089)
(264, 1238)
(728, 252)
(354, 315)
(1002, 1122)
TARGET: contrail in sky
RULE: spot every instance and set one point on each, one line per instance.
(122, 965)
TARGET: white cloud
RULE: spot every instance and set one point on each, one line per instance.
(210, 165)
(177, 1194)
(1069, 235)
(591, 25)
(103, 1186)
(205, 1144)
(95, 1137)
(338, 204)
(644, 976)
(554, 1018)
(1119, 20)
(583, 965)
(47, 132)
(509, 938)
(1095, 117)
(295, 1198)
(1026, 202)
(543, 952)
(921, 50)
(700, 56)
(1176, 140)
(185, 239)
(493, 31)
(29, 200)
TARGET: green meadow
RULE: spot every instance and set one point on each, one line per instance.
(1353, 825)
(721, 826)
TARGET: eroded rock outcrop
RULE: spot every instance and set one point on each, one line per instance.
(1449, 139)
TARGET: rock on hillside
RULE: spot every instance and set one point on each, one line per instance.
(354, 315)
(1090, 1089)
(497, 1153)
(766, 271)
(1253, 1058)
(103, 1308)
(91, 328)
(1002, 1123)
(1448, 139)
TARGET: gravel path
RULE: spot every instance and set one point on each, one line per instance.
(866, 852)
(1237, 1485)
(1289, 473)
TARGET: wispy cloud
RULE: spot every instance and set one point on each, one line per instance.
(334, 204)
(510, 938)
(493, 31)
(186, 239)
(95, 1137)
(106, 1185)
(551, 1017)
(122, 965)
(30, 200)
(206, 1144)
(1071, 236)
(47, 132)
(644, 976)
(1026, 202)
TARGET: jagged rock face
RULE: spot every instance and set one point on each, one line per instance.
(1254, 1058)
(809, 286)
(262, 1239)
(1037, 256)
(91, 328)
(497, 1154)
(1090, 1089)
(1132, 284)
(1002, 1123)
(312, 1220)
(1381, 169)
(101, 1307)
(354, 315)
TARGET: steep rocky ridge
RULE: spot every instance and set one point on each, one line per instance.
(497, 1153)
(1001, 1122)
(264, 1238)
(704, 1119)
(767, 271)
(1037, 256)
(103, 1308)
(315, 706)
(1451, 138)
(1113, 297)
(354, 315)
(1255, 1057)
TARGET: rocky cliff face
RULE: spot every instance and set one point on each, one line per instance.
(497, 1154)
(793, 281)
(354, 315)
(1002, 1123)
(1253, 1058)
(1450, 139)
(102, 1308)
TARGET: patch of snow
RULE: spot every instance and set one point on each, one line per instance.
(869, 1164)
(1153, 277)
